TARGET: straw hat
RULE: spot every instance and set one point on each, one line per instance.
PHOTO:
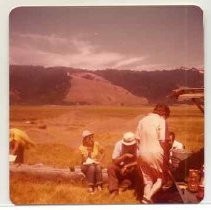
(129, 139)
(86, 133)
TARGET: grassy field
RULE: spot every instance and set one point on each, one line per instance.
(58, 143)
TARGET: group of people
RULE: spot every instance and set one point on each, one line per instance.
(139, 160)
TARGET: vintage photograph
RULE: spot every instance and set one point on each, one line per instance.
(106, 105)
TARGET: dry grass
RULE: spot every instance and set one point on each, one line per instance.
(19, 113)
(55, 155)
(57, 145)
(27, 190)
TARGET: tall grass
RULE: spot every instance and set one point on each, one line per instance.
(30, 190)
(67, 122)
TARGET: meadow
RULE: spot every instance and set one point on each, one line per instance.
(58, 141)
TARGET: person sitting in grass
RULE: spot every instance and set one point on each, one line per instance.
(174, 144)
(92, 154)
(171, 144)
(18, 142)
(124, 172)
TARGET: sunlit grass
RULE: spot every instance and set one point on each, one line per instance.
(18, 113)
(55, 155)
(67, 122)
(29, 190)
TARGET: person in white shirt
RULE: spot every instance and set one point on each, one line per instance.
(123, 172)
(151, 133)
(174, 143)
(169, 161)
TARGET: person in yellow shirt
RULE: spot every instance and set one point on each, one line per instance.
(18, 142)
(92, 154)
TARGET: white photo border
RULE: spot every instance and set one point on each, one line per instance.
(5, 8)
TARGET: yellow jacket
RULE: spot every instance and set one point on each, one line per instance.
(21, 137)
(96, 151)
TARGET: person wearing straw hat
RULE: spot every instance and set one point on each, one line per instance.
(92, 154)
(18, 142)
(123, 172)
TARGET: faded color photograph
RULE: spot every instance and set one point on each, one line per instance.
(106, 105)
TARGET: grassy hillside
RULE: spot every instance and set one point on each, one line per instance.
(90, 89)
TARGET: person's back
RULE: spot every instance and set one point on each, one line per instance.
(150, 128)
(151, 133)
(18, 141)
(21, 137)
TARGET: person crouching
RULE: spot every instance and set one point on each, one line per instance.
(124, 170)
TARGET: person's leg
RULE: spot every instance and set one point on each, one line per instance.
(127, 181)
(154, 188)
(98, 176)
(147, 189)
(113, 178)
(89, 171)
(125, 184)
(20, 154)
(91, 175)
(138, 183)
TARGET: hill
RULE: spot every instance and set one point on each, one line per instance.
(38, 85)
(91, 89)
(62, 85)
(154, 85)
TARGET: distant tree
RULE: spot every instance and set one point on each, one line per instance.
(36, 84)
(154, 85)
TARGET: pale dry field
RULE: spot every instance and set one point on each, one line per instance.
(57, 145)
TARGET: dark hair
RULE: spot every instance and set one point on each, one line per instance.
(84, 141)
(162, 110)
(171, 133)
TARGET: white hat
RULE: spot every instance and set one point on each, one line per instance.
(86, 133)
(129, 139)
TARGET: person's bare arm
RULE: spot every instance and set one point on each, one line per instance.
(128, 166)
(120, 159)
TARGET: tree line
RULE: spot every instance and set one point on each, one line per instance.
(154, 85)
(40, 85)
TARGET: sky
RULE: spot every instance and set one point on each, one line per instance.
(97, 38)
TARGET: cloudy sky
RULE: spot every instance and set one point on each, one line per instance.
(139, 38)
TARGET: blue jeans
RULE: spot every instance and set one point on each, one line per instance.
(93, 173)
